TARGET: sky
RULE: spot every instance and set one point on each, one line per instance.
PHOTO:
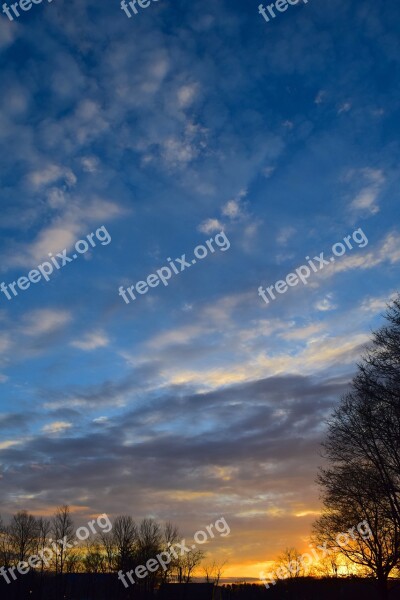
(188, 122)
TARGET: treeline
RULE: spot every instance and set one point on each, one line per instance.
(109, 548)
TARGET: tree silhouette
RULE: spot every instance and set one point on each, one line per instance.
(362, 446)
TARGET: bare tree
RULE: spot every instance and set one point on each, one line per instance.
(23, 531)
(74, 561)
(43, 532)
(186, 565)
(353, 497)
(327, 566)
(62, 529)
(170, 537)
(109, 548)
(213, 571)
(363, 450)
(149, 539)
(6, 552)
(289, 563)
(149, 545)
(95, 559)
(125, 538)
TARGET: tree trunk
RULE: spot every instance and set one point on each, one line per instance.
(383, 588)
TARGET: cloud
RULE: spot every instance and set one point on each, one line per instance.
(65, 229)
(231, 209)
(303, 333)
(15, 421)
(320, 97)
(51, 174)
(365, 200)
(343, 108)
(285, 234)
(325, 304)
(182, 335)
(179, 152)
(101, 420)
(8, 33)
(107, 393)
(5, 342)
(263, 429)
(44, 321)
(57, 427)
(234, 208)
(210, 225)
(90, 164)
(9, 444)
(376, 305)
(186, 95)
(387, 251)
(268, 171)
(91, 341)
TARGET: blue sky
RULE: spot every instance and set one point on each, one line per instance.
(197, 400)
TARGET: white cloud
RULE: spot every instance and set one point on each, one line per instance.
(345, 107)
(365, 200)
(231, 209)
(179, 151)
(64, 231)
(186, 95)
(8, 444)
(320, 97)
(267, 171)
(56, 427)
(325, 304)
(210, 225)
(91, 341)
(318, 354)
(4, 342)
(101, 420)
(176, 336)
(43, 321)
(387, 251)
(390, 249)
(302, 333)
(377, 304)
(8, 33)
(234, 208)
(51, 174)
(90, 164)
(56, 198)
(284, 235)
(374, 175)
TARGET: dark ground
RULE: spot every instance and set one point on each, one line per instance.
(107, 587)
